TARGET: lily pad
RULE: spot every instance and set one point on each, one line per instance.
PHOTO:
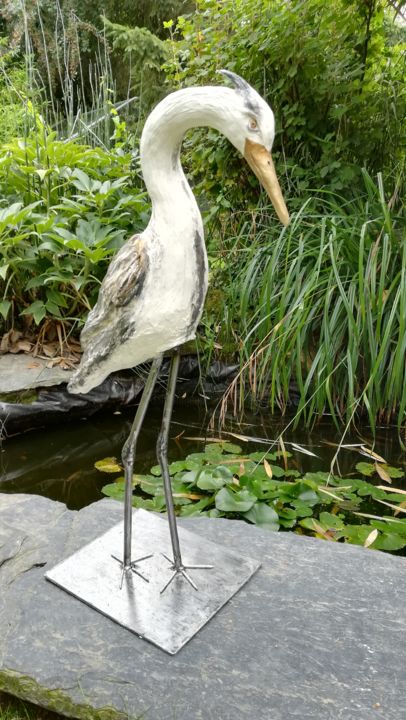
(240, 501)
(108, 465)
(365, 468)
(214, 479)
(263, 515)
(156, 504)
(114, 490)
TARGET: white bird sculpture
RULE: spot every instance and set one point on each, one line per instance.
(152, 296)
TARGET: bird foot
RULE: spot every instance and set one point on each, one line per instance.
(180, 569)
(131, 567)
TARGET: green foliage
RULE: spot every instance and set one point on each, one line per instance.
(222, 482)
(319, 306)
(333, 73)
(65, 209)
(12, 87)
(145, 54)
(70, 62)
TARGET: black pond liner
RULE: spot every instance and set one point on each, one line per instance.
(53, 405)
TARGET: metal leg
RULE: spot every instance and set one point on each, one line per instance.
(128, 457)
(162, 453)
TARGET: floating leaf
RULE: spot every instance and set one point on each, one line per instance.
(329, 521)
(393, 472)
(114, 490)
(177, 466)
(263, 515)
(156, 470)
(240, 501)
(232, 448)
(261, 456)
(315, 526)
(108, 465)
(197, 508)
(214, 479)
(150, 484)
(156, 504)
(365, 468)
(213, 449)
(390, 542)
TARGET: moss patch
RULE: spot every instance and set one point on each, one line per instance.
(28, 689)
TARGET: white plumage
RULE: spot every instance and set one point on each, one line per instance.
(152, 296)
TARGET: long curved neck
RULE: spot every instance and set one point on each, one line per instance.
(162, 138)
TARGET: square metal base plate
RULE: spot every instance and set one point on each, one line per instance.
(167, 620)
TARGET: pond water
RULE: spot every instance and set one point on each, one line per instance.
(59, 462)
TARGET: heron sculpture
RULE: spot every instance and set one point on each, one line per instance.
(152, 296)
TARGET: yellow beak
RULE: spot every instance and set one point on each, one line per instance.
(261, 163)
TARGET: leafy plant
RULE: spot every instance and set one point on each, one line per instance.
(221, 481)
(66, 208)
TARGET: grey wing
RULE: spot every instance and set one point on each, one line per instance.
(126, 274)
(123, 281)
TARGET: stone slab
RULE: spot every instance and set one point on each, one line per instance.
(152, 601)
(20, 372)
(318, 633)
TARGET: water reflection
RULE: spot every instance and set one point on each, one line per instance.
(59, 463)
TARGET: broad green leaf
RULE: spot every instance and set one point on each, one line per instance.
(5, 306)
(260, 456)
(214, 479)
(114, 490)
(240, 501)
(150, 484)
(302, 509)
(365, 468)
(156, 504)
(328, 520)
(395, 525)
(393, 472)
(177, 466)
(197, 508)
(37, 309)
(232, 448)
(156, 470)
(320, 478)
(263, 515)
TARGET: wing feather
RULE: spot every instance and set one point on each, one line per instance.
(126, 274)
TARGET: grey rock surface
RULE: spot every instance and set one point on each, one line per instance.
(319, 633)
(19, 372)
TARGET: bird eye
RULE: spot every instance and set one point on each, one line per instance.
(252, 124)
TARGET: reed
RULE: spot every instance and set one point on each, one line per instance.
(76, 97)
(319, 309)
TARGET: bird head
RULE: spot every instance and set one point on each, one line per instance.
(252, 130)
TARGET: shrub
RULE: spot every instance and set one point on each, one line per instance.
(65, 209)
